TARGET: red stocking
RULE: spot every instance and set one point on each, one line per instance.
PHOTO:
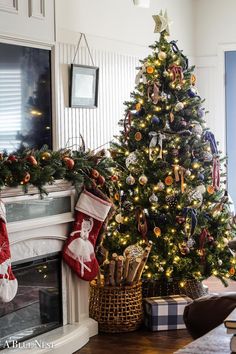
(8, 282)
(78, 251)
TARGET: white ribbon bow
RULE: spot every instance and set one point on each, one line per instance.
(140, 75)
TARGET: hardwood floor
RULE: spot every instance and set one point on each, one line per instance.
(144, 341)
(138, 342)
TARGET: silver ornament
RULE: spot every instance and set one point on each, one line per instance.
(191, 243)
(160, 186)
(153, 198)
(207, 156)
(133, 251)
(130, 180)
(131, 159)
(179, 106)
(220, 262)
(188, 173)
(197, 129)
(195, 198)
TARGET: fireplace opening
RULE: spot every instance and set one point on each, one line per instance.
(37, 307)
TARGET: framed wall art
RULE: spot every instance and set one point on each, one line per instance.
(84, 86)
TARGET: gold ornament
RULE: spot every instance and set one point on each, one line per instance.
(138, 106)
(193, 79)
(143, 180)
(119, 219)
(46, 155)
(157, 231)
(117, 196)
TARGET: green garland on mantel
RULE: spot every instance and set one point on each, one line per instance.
(39, 168)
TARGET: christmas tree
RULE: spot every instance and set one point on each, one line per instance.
(168, 175)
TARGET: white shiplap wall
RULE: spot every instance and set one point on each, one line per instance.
(116, 81)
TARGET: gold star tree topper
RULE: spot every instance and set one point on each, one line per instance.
(162, 23)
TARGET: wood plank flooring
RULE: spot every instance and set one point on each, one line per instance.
(144, 341)
(138, 342)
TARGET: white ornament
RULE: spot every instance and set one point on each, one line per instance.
(179, 106)
(160, 186)
(119, 219)
(220, 262)
(201, 188)
(131, 159)
(162, 55)
(188, 173)
(197, 129)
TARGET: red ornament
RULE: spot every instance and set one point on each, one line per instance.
(26, 178)
(32, 160)
(12, 158)
(180, 219)
(114, 178)
(101, 180)
(95, 174)
(69, 162)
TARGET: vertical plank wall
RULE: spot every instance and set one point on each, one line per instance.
(116, 81)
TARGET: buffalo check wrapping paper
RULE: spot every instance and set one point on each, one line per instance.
(165, 313)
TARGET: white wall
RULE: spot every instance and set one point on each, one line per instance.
(121, 21)
(119, 34)
(215, 31)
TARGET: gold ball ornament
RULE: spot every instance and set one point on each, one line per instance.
(119, 219)
(193, 79)
(138, 106)
(143, 180)
(162, 55)
(138, 136)
(157, 231)
(117, 196)
(46, 155)
(169, 180)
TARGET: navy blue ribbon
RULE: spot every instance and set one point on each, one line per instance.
(176, 50)
(192, 213)
(209, 136)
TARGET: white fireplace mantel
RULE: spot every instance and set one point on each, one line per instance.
(39, 236)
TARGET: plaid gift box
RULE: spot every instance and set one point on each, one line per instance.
(165, 313)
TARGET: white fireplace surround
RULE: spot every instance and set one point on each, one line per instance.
(41, 236)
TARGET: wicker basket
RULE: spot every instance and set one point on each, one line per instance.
(117, 309)
(192, 288)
